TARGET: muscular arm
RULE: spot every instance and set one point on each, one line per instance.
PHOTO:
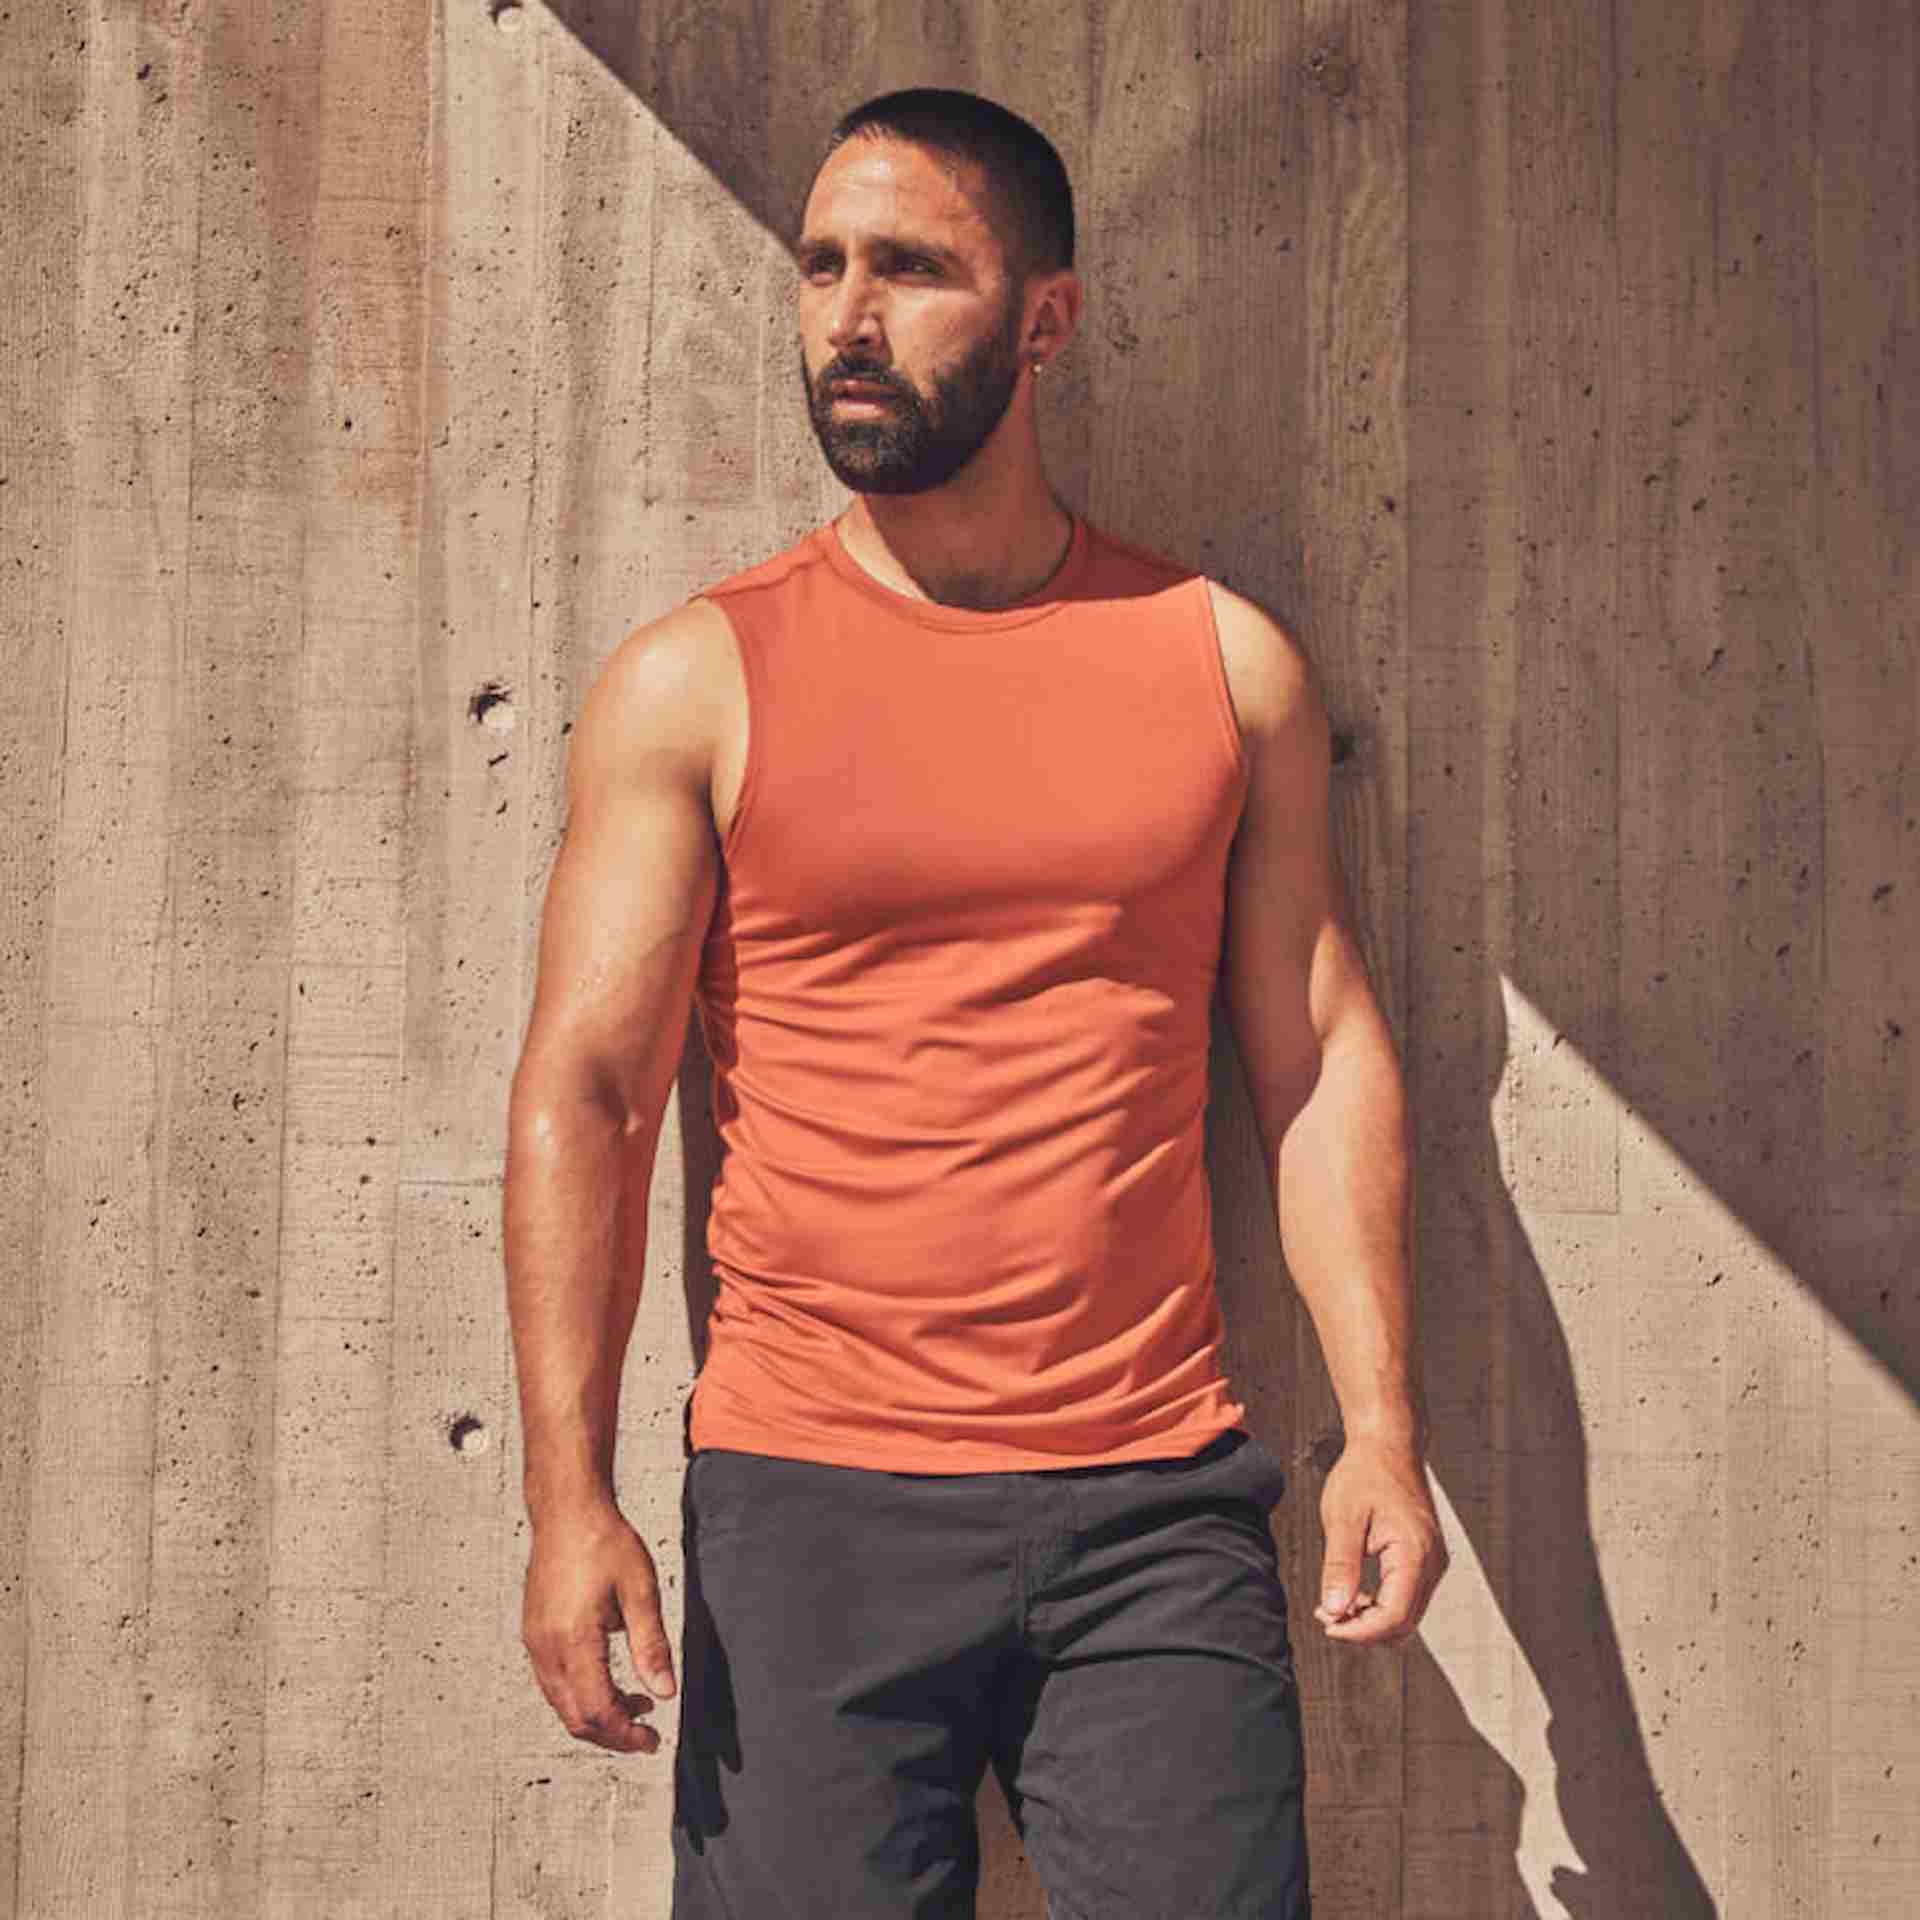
(626, 912)
(1330, 1106)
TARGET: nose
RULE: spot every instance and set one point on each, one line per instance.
(853, 317)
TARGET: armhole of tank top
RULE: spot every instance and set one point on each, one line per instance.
(750, 768)
(1217, 674)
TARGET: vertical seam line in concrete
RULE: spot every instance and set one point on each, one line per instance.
(39, 1270)
(537, 327)
(1615, 386)
(1403, 942)
(538, 324)
(296, 790)
(425, 259)
(160, 1109)
(1822, 575)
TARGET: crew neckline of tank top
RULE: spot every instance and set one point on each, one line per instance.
(935, 613)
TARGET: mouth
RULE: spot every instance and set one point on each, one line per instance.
(864, 393)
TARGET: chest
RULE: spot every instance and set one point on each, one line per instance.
(1082, 764)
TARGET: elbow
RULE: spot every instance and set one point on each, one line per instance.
(1280, 1095)
(1359, 1092)
(551, 1100)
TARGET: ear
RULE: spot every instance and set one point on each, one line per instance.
(1053, 314)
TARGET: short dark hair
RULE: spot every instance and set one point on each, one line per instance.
(1025, 175)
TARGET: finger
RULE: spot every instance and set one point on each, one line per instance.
(1395, 1613)
(1361, 1603)
(1340, 1569)
(1361, 1630)
(636, 1707)
(647, 1643)
(1399, 1593)
(617, 1726)
(593, 1709)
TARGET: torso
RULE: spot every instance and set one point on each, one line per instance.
(955, 991)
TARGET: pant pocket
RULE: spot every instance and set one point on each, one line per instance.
(1266, 1477)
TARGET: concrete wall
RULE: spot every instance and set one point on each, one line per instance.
(370, 369)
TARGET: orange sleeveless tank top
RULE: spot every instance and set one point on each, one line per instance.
(956, 990)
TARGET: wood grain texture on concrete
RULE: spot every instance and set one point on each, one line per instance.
(48, 163)
(368, 372)
(1469, 1752)
(1864, 264)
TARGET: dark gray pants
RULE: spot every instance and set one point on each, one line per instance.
(860, 1645)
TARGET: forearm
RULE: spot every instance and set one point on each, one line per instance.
(575, 1215)
(1343, 1181)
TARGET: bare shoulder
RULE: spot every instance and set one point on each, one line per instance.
(1276, 693)
(659, 705)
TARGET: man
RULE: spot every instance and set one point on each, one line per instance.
(948, 820)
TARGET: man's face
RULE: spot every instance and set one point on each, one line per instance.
(909, 321)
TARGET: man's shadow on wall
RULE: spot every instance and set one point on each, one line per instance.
(1525, 1514)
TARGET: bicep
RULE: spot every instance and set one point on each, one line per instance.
(1292, 969)
(632, 885)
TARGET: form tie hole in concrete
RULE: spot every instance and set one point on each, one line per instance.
(467, 1434)
(492, 707)
(1332, 70)
(508, 15)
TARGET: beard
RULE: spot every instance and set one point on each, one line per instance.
(925, 439)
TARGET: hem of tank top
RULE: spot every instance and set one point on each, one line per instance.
(1222, 686)
(890, 1457)
(750, 767)
(1042, 604)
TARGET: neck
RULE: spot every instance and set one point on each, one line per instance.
(991, 536)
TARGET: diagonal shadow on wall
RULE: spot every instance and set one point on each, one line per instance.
(701, 70)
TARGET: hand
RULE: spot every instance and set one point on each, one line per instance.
(1376, 1502)
(591, 1575)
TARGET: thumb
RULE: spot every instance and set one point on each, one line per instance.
(646, 1638)
(1340, 1571)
